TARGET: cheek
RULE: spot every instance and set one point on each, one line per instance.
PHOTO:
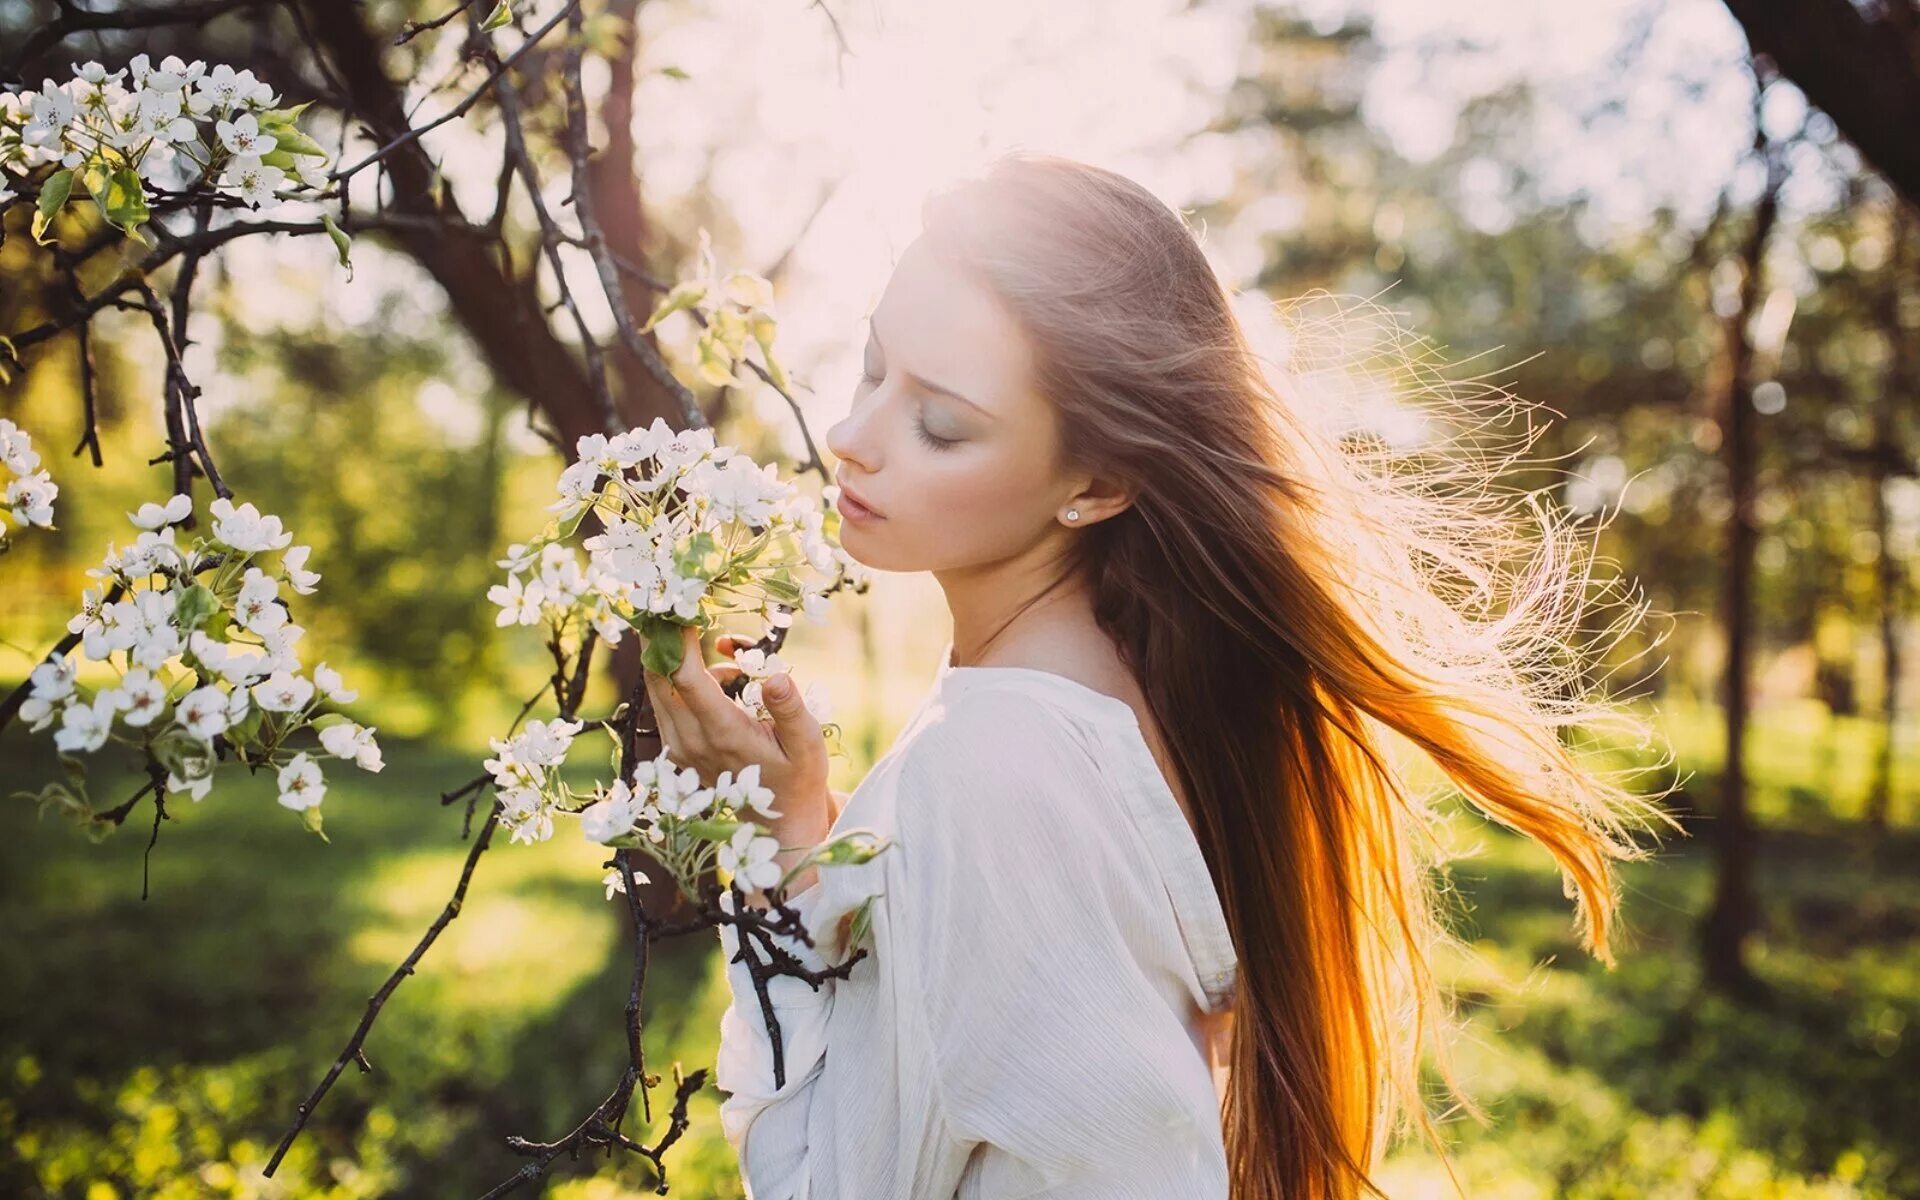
(972, 502)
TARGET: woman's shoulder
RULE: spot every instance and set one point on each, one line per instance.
(1001, 719)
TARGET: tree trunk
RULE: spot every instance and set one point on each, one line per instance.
(1862, 70)
(1733, 915)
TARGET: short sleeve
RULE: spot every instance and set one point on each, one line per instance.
(1034, 918)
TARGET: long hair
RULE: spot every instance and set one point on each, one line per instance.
(1288, 595)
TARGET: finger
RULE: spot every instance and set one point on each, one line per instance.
(659, 699)
(695, 685)
(793, 722)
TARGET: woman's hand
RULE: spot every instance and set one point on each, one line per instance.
(702, 728)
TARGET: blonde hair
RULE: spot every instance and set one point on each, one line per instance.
(1287, 595)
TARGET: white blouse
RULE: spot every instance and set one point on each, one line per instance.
(1026, 1021)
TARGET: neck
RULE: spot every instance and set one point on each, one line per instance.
(1008, 611)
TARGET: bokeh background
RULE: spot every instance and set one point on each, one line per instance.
(1568, 199)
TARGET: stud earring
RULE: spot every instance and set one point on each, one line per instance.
(1073, 514)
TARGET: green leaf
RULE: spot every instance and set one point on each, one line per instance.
(501, 14)
(218, 624)
(280, 117)
(682, 295)
(716, 366)
(763, 329)
(184, 754)
(712, 829)
(53, 196)
(674, 73)
(193, 605)
(296, 141)
(121, 196)
(862, 922)
(664, 653)
(311, 819)
(328, 721)
(249, 727)
(56, 796)
(780, 590)
(341, 242)
(695, 560)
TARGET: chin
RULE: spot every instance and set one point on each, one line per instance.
(880, 553)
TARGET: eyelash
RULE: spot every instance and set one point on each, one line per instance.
(927, 439)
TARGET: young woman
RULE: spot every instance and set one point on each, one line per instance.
(1156, 919)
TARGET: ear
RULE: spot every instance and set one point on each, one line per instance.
(1098, 498)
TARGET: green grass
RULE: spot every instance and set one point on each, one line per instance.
(159, 1048)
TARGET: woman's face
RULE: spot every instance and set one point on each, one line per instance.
(947, 440)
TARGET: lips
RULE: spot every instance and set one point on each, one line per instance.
(857, 498)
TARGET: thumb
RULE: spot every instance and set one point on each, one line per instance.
(784, 701)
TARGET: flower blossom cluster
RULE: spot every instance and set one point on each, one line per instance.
(200, 662)
(177, 125)
(659, 806)
(30, 490)
(691, 531)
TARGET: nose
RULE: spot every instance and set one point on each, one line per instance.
(849, 440)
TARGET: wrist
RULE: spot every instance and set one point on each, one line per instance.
(799, 835)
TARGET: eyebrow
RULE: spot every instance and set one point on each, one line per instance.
(873, 328)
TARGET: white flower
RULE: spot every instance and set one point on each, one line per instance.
(235, 666)
(154, 516)
(96, 74)
(158, 115)
(152, 550)
(749, 858)
(140, 695)
(281, 655)
(239, 703)
(283, 691)
(353, 741)
(244, 528)
(203, 712)
(223, 88)
(31, 497)
(52, 682)
(49, 112)
(242, 137)
(294, 563)
(526, 815)
(254, 608)
(53, 679)
(256, 181)
(745, 791)
(610, 818)
(16, 449)
(578, 485)
(85, 726)
(196, 788)
(518, 605)
(301, 784)
(328, 681)
(518, 558)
